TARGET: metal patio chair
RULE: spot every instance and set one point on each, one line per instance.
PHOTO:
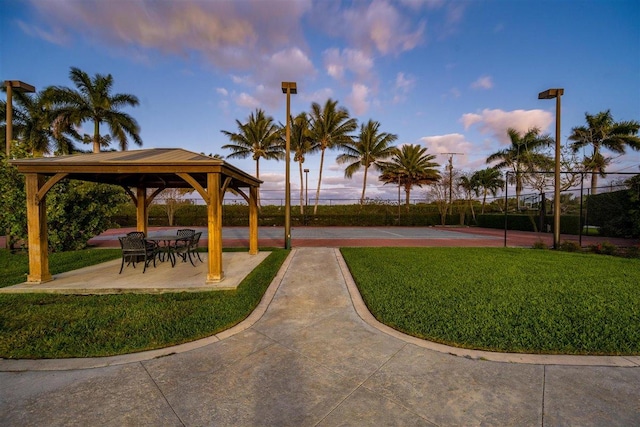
(188, 248)
(136, 249)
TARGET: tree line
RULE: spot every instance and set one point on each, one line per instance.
(47, 123)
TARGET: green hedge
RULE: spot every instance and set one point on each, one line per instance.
(569, 224)
(616, 213)
(338, 215)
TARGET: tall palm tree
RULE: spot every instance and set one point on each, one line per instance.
(487, 181)
(470, 186)
(367, 150)
(259, 138)
(522, 155)
(330, 128)
(603, 132)
(92, 101)
(34, 126)
(409, 166)
(301, 144)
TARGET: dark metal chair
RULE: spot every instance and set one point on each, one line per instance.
(143, 236)
(136, 249)
(186, 232)
(188, 248)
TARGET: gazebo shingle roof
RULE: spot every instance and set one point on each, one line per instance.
(151, 168)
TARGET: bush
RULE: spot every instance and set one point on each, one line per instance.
(79, 210)
(539, 244)
(570, 246)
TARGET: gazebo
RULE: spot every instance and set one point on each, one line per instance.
(143, 174)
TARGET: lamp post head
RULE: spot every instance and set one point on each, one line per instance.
(291, 86)
(19, 86)
(306, 170)
(551, 93)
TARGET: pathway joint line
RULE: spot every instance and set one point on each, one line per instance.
(162, 394)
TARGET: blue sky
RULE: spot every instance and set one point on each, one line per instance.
(450, 75)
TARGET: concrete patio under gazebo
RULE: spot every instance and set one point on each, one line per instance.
(143, 174)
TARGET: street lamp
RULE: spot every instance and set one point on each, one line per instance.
(288, 88)
(18, 86)
(550, 94)
(306, 187)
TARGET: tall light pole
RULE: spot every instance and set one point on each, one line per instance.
(306, 188)
(18, 86)
(288, 88)
(550, 94)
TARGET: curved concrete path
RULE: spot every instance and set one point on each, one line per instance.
(311, 359)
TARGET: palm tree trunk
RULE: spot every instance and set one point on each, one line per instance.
(407, 190)
(594, 182)
(473, 213)
(315, 208)
(484, 199)
(258, 177)
(96, 136)
(364, 185)
(595, 171)
(301, 190)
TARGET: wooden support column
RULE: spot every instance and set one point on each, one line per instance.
(253, 220)
(214, 213)
(141, 210)
(37, 229)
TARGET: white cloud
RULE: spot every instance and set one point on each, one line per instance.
(417, 4)
(377, 26)
(248, 101)
(229, 34)
(290, 64)
(336, 62)
(358, 98)
(403, 85)
(496, 122)
(320, 96)
(483, 82)
(222, 91)
(450, 143)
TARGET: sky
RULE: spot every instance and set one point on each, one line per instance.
(451, 76)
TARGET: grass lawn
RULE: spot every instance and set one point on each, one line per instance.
(55, 326)
(513, 300)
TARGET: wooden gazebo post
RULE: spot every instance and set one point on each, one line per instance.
(214, 213)
(37, 225)
(253, 220)
(141, 210)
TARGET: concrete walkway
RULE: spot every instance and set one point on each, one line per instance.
(307, 357)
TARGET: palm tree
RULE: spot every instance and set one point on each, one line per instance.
(259, 138)
(487, 180)
(522, 155)
(470, 186)
(301, 145)
(330, 128)
(409, 166)
(602, 132)
(34, 126)
(366, 151)
(92, 101)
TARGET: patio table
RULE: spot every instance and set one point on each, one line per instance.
(166, 245)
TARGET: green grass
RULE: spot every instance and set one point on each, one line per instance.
(58, 326)
(513, 300)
